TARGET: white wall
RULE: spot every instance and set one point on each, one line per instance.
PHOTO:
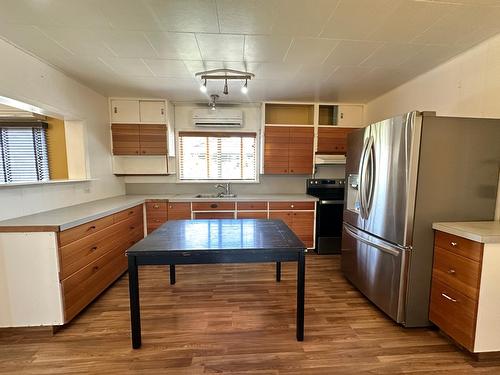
(27, 79)
(466, 86)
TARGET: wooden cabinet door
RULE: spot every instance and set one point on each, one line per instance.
(285, 216)
(125, 139)
(276, 145)
(152, 112)
(303, 226)
(251, 215)
(179, 211)
(333, 141)
(350, 116)
(156, 215)
(125, 111)
(301, 150)
(153, 139)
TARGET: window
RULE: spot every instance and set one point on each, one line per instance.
(23, 153)
(217, 156)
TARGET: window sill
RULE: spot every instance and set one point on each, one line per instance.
(51, 182)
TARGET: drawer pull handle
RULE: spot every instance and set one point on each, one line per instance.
(130, 212)
(95, 269)
(156, 206)
(93, 248)
(170, 207)
(91, 227)
(292, 206)
(451, 271)
(454, 243)
(132, 227)
(448, 297)
(213, 205)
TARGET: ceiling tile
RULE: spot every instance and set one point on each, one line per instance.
(356, 19)
(80, 42)
(302, 18)
(170, 45)
(199, 16)
(408, 20)
(129, 44)
(128, 67)
(129, 15)
(221, 46)
(245, 16)
(274, 71)
(392, 55)
(351, 52)
(168, 68)
(263, 48)
(310, 50)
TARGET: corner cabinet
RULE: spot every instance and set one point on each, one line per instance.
(142, 136)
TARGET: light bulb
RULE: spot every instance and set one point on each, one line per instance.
(203, 87)
(244, 88)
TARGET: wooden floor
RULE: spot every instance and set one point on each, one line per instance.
(235, 319)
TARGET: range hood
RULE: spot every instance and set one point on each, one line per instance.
(329, 159)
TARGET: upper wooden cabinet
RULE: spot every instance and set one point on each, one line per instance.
(134, 139)
(333, 141)
(131, 111)
(288, 150)
(345, 115)
(289, 114)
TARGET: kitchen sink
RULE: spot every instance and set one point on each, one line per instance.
(215, 196)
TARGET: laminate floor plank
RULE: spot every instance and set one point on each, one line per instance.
(236, 319)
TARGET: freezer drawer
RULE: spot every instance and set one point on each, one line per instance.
(377, 269)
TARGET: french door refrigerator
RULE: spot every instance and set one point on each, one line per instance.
(403, 174)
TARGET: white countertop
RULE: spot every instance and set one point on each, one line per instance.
(480, 231)
(72, 216)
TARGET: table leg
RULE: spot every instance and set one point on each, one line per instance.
(278, 271)
(135, 313)
(172, 274)
(301, 273)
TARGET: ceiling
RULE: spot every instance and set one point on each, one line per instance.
(322, 50)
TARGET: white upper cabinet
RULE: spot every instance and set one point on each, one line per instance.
(125, 111)
(134, 111)
(350, 116)
(152, 112)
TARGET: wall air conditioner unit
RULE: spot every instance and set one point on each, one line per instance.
(219, 118)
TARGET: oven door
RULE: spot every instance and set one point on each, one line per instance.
(329, 226)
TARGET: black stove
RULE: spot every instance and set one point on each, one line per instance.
(330, 193)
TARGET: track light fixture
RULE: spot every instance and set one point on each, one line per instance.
(212, 104)
(244, 88)
(224, 74)
(203, 87)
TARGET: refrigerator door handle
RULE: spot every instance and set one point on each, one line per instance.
(381, 247)
(372, 174)
(362, 182)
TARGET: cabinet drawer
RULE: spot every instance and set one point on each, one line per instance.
(179, 211)
(213, 206)
(459, 245)
(454, 313)
(125, 214)
(156, 210)
(76, 233)
(251, 215)
(83, 286)
(462, 274)
(252, 206)
(291, 205)
(213, 215)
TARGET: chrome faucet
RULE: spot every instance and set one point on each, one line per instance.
(226, 187)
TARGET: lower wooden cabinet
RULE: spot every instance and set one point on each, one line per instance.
(179, 210)
(251, 215)
(92, 259)
(302, 224)
(464, 292)
(156, 215)
(213, 215)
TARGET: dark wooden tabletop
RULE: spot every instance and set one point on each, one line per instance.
(218, 234)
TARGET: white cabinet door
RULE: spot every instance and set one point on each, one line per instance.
(125, 111)
(350, 116)
(152, 112)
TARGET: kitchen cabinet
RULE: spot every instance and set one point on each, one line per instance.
(464, 291)
(156, 215)
(288, 150)
(350, 115)
(132, 111)
(179, 211)
(213, 215)
(299, 216)
(132, 139)
(333, 140)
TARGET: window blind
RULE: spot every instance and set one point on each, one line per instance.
(217, 156)
(23, 154)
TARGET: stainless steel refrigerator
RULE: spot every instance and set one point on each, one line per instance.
(402, 175)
